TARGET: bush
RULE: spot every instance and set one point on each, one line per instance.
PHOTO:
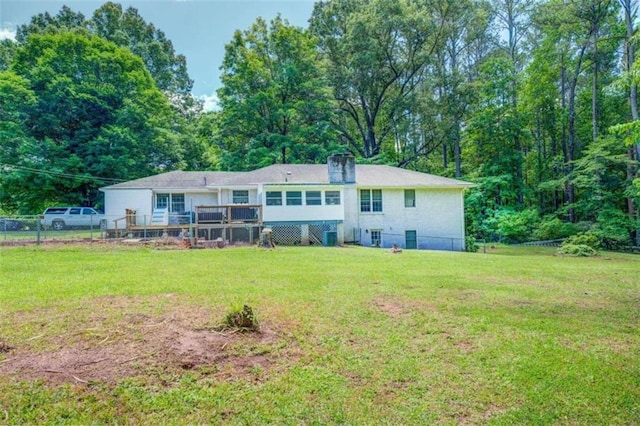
(577, 250)
(588, 239)
(581, 244)
(612, 229)
(552, 228)
(470, 244)
(516, 227)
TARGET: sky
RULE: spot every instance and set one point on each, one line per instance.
(198, 29)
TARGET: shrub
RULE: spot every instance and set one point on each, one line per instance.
(516, 227)
(242, 319)
(577, 250)
(581, 244)
(612, 229)
(583, 239)
(470, 244)
(552, 228)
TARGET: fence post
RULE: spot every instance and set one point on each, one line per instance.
(38, 231)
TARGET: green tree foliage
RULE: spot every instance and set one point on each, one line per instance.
(128, 29)
(378, 52)
(80, 108)
(275, 102)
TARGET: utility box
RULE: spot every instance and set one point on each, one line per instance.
(329, 238)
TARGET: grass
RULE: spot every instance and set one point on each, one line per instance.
(358, 336)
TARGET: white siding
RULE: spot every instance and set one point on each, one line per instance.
(351, 214)
(116, 201)
(226, 195)
(195, 199)
(141, 200)
(438, 219)
(303, 213)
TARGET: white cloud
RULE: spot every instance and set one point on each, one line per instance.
(209, 102)
(7, 33)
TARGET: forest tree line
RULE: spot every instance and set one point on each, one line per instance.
(535, 102)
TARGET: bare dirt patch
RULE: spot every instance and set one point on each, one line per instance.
(396, 307)
(139, 344)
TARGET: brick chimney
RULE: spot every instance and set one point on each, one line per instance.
(342, 168)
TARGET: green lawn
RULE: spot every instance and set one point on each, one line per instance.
(349, 335)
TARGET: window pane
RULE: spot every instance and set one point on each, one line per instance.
(162, 201)
(365, 200)
(376, 237)
(294, 198)
(332, 198)
(177, 203)
(274, 198)
(314, 198)
(409, 197)
(74, 211)
(376, 196)
(240, 197)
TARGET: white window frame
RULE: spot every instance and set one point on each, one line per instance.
(239, 196)
(409, 202)
(315, 200)
(376, 235)
(294, 201)
(272, 199)
(332, 198)
(372, 203)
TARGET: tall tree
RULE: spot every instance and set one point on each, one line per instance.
(97, 114)
(275, 102)
(128, 29)
(377, 52)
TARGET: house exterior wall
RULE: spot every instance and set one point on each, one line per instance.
(351, 215)
(302, 213)
(142, 201)
(437, 219)
(195, 199)
(117, 201)
(226, 195)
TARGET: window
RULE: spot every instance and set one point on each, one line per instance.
(314, 198)
(376, 237)
(274, 198)
(240, 197)
(171, 202)
(409, 197)
(177, 203)
(365, 200)
(88, 211)
(370, 200)
(75, 211)
(332, 198)
(162, 201)
(294, 198)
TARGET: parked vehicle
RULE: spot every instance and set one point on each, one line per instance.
(11, 225)
(60, 218)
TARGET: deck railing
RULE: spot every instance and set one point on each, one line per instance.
(228, 214)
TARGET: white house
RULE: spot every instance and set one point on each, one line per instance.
(340, 202)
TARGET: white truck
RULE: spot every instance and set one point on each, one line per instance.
(60, 218)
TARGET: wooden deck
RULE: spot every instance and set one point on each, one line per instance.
(229, 222)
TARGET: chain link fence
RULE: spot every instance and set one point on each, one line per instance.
(17, 230)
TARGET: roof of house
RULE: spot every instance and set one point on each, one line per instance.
(300, 174)
(175, 180)
(366, 175)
